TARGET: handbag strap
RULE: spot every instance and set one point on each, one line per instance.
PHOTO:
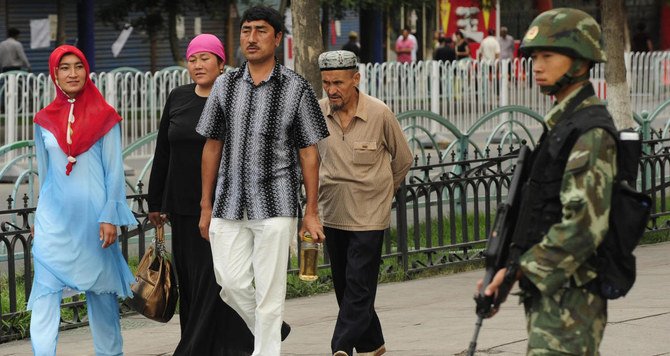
(159, 242)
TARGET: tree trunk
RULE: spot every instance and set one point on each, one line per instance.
(153, 50)
(307, 45)
(618, 95)
(177, 56)
(325, 25)
(228, 31)
(60, 27)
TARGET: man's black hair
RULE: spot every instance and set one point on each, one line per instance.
(265, 13)
(13, 32)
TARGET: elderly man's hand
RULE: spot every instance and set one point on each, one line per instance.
(312, 224)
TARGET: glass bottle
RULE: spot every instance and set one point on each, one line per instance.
(309, 258)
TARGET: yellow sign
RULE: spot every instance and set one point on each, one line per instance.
(445, 11)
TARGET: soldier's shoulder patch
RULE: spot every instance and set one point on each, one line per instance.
(581, 154)
(578, 161)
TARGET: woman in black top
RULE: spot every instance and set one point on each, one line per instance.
(208, 325)
(462, 49)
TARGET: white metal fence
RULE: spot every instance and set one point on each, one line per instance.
(464, 91)
(460, 91)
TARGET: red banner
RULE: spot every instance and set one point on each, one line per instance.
(473, 17)
(665, 26)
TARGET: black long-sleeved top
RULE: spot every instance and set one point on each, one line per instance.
(175, 184)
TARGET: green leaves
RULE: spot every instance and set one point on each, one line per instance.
(340, 6)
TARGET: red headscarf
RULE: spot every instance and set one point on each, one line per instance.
(91, 116)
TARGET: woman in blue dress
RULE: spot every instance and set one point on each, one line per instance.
(81, 202)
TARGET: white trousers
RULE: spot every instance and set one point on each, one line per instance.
(103, 318)
(248, 253)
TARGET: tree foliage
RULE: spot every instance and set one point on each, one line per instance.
(340, 6)
(144, 15)
(152, 15)
(156, 18)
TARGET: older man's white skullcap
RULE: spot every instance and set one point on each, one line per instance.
(338, 60)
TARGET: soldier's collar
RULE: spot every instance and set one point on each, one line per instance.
(554, 116)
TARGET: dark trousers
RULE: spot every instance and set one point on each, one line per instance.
(355, 257)
(208, 325)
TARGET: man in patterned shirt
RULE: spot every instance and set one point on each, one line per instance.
(261, 120)
(565, 204)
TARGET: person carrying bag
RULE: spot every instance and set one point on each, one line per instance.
(155, 291)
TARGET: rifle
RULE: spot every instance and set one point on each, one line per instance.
(497, 248)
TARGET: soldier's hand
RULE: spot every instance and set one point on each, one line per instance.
(497, 280)
(487, 306)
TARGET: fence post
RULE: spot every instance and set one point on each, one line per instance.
(646, 135)
(503, 82)
(401, 217)
(363, 84)
(11, 107)
(645, 127)
(110, 89)
(435, 92)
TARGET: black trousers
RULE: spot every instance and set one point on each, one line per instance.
(355, 257)
(208, 325)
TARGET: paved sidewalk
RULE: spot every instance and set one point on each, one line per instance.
(429, 317)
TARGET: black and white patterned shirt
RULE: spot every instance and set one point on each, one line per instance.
(262, 128)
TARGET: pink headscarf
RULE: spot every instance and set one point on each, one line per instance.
(206, 43)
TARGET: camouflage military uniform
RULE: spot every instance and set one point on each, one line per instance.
(565, 318)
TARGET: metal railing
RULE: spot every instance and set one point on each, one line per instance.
(442, 213)
(463, 91)
(16, 266)
(460, 91)
(441, 218)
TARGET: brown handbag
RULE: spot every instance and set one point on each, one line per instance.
(155, 288)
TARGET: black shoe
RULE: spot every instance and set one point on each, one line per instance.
(285, 330)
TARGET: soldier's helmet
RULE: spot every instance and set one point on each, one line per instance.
(568, 31)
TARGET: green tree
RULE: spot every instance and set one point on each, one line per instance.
(156, 18)
(367, 8)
